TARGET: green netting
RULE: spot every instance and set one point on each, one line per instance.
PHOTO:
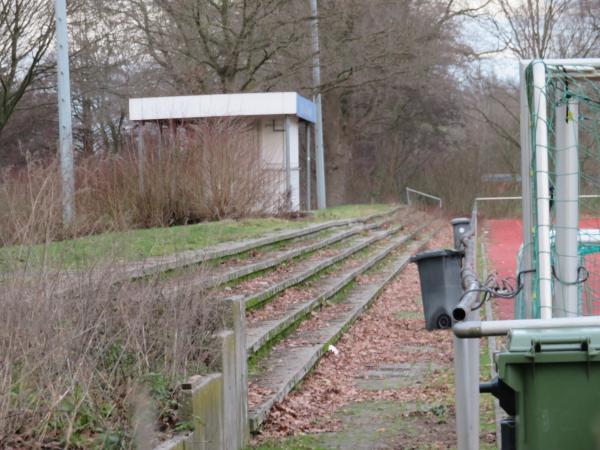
(577, 90)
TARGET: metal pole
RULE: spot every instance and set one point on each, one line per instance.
(474, 353)
(489, 315)
(569, 64)
(477, 329)
(319, 146)
(486, 199)
(527, 256)
(466, 353)
(288, 163)
(544, 269)
(65, 131)
(308, 174)
(160, 141)
(467, 434)
(141, 156)
(567, 209)
(439, 200)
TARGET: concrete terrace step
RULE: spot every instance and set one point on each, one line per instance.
(152, 266)
(155, 265)
(307, 269)
(260, 333)
(294, 357)
(270, 262)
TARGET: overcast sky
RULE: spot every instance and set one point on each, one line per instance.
(504, 64)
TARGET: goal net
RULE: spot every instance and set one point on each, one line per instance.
(560, 142)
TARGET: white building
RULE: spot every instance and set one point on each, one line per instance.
(277, 116)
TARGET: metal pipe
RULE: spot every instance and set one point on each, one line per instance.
(544, 271)
(565, 302)
(308, 172)
(477, 329)
(466, 353)
(593, 62)
(65, 126)
(484, 199)
(287, 158)
(470, 281)
(519, 197)
(467, 395)
(141, 156)
(423, 194)
(525, 131)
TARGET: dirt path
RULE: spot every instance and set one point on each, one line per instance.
(390, 386)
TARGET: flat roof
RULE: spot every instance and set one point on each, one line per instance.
(222, 105)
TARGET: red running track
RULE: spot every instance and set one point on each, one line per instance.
(503, 242)
(504, 239)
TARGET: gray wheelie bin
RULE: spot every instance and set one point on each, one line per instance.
(441, 289)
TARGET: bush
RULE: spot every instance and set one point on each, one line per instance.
(210, 170)
(96, 368)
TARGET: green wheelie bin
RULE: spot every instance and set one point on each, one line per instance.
(550, 380)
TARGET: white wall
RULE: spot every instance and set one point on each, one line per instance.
(219, 105)
(272, 143)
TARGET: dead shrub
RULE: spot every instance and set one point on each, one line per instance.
(203, 171)
(73, 369)
(97, 367)
(30, 203)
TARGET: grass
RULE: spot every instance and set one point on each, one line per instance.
(151, 242)
(348, 211)
(306, 442)
(487, 418)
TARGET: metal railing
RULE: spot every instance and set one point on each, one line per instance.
(477, 329)
(468, 329)
(491, 199)
(469, 272)
(466, 351)
(518, 197)
(423, 194)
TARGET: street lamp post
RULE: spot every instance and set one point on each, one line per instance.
(319, 147)
(65, 130)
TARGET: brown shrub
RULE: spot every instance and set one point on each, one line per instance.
(84, 370)
(209, 170)
(74, 368)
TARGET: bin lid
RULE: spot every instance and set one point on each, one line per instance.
(548, 346)
(436, 253)
(554, 339)
(460, 220)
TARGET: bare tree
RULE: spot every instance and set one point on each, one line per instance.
(545, 28)
(527, 29)
(26, 31)
(204, 46)
(103, 64)
(391, 98)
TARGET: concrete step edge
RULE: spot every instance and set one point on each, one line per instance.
(249, 269)
(225, 249)
(258, 414)
(260, 297)
(306, 307)
(152, 266)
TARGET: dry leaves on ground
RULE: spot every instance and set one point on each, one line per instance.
(379, 336)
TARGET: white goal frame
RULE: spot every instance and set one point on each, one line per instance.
(564, 303)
